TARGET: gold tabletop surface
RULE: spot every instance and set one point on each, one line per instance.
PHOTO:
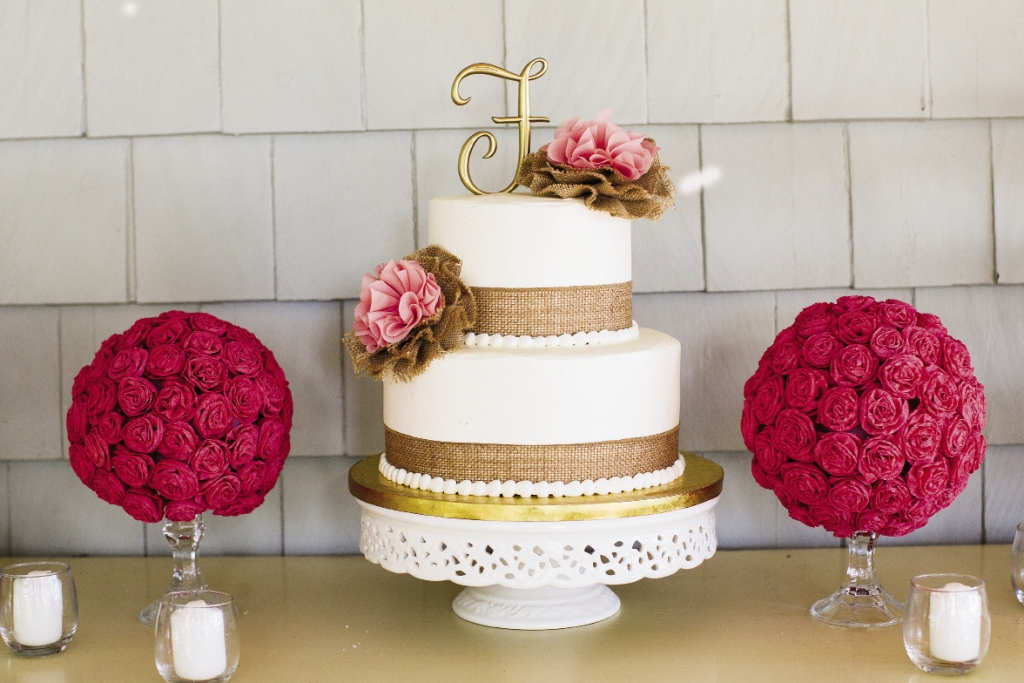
(740, 616)
(701, 481)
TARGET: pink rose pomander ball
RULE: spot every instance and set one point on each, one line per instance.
(180, 414)
(395, 299)
(601, 144)
(864, 416)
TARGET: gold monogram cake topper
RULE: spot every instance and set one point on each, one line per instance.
(523, 119)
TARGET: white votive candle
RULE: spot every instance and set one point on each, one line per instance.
(197, 642)
(954, 623)
(38, 609)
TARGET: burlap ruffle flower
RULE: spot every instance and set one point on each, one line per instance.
(602, 189)
(442, 333)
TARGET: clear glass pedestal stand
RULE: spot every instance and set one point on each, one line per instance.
(861, 601)
(184, 538)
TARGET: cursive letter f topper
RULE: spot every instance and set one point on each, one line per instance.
(523, 119)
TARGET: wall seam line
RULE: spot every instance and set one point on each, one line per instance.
(647, 68)
(85, 92)
(281, 495)
(504, 54)
(220, 67)
(703, 229)
(131, 249)
(981, 472)
(415, 192)
(849, 204)
(10, 511)
(927, 98)
(362, 64)
(992, 202)
(273, 213)
(789, 65)
(60, 387)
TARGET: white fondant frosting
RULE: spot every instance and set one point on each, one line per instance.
(581, 394)
(522, 241)
(528, 489)
(527, 342)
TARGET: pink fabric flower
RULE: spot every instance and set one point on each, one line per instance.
(394, 300)
(601, 144)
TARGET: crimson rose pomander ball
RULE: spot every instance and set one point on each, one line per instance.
(180, 414)
(864, 416)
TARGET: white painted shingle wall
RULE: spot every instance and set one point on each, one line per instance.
(252, 159)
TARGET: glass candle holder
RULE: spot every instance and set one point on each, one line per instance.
(38, 607)
(1017, 564)
(196, 637)
(946, 626)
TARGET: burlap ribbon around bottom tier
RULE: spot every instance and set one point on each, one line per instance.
(541, 462)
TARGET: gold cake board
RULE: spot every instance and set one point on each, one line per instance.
(701, 482)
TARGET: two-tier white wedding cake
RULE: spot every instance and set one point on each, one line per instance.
(556, 392)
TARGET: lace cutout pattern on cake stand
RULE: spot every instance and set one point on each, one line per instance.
(535, 554)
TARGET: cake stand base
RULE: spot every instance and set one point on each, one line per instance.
(538, 563)
(536, 609)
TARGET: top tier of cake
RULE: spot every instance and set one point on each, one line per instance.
(538, 266)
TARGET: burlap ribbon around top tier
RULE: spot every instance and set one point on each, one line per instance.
(545, 311)
(547, 462)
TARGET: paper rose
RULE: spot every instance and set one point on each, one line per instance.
(864, 416)
(169, 418)
(601, 144)
(395, 299)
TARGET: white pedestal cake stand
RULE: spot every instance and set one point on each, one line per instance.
(533, 563)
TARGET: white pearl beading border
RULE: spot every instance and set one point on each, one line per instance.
(525, 341)
(526, 489)
(527, 555)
